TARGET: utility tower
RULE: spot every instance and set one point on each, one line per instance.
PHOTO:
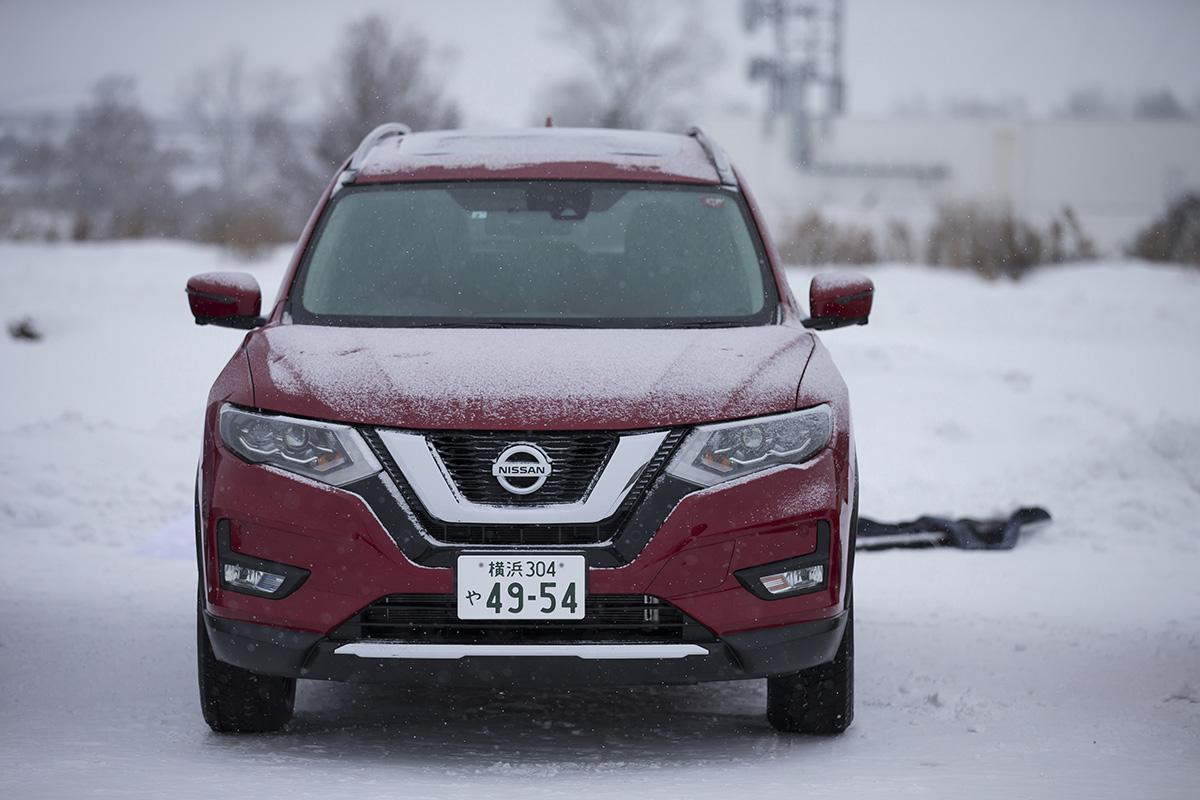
(805, 84)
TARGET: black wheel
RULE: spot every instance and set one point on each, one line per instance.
(236, 700)
(818, 700)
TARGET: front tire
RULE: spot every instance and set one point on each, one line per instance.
(818, 700)
(236, 700)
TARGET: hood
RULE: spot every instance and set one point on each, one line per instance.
(527, 379)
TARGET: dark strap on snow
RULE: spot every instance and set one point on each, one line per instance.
(966, 533)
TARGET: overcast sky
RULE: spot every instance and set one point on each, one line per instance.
(897, 51)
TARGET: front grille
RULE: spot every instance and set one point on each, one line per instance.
(576, 459)
(433, 619)
(527, 535)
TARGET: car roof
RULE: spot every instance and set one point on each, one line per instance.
(539, 153)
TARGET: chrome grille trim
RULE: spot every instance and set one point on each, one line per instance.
(600, 535)
(433, 484)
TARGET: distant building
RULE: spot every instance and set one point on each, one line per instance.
(1116, 174)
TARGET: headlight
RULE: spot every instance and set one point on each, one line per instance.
(334, 454)
(728, 450)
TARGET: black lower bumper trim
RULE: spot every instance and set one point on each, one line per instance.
(754, 654)
(790, 648)
(259, 648)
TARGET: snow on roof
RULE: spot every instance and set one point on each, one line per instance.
(567, 153)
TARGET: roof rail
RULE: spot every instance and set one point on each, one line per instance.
(366, 146)
(716, 154)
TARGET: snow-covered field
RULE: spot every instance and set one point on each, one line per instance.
(1067, 668)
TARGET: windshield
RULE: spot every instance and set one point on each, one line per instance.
(534, 252)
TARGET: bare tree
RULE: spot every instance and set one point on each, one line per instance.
(813, 239)
(115, 175)
(1090, 102)
(987, 108)
(35, 151)
(914, 105)
(242, 117)
(640, 60)
(574, 103)
(381, 76)
(1174, 236)
(1158, 104)
(261, 177)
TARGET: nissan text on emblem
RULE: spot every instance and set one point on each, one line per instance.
(522, 468)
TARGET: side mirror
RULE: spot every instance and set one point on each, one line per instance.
(228, 299)
(839, 299)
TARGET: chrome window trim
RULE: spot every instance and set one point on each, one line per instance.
(433, 486)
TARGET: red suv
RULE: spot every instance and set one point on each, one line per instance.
(531, 408)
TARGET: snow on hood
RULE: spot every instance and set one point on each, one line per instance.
(527, 379)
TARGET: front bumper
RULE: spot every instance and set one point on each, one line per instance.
(689, 560)
(779, 650)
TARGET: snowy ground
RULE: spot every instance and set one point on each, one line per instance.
(1067, 668)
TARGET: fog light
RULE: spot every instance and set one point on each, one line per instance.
(793, 579)
(256, 580)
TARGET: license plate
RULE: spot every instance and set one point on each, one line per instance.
(521, 586)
